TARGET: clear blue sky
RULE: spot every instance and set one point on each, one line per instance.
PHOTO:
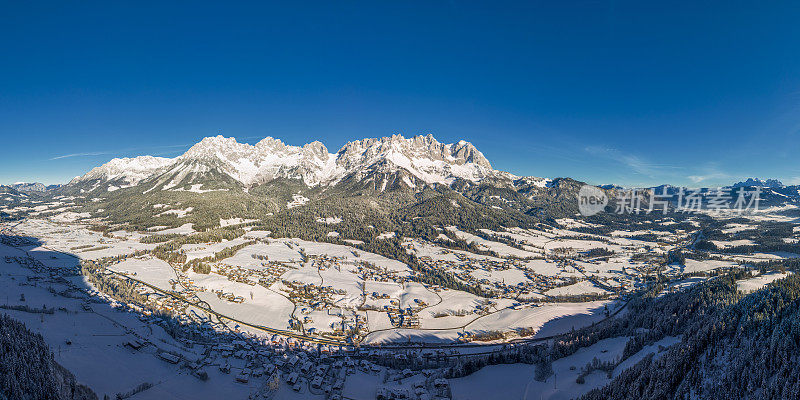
(623, 92)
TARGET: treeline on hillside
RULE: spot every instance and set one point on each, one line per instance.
(741, 348)
(769, 236)
(119, 289)
(438, 206)
(392, 248)
(132, 210)
(365, 218)
(760, 248)
(28, 370)
(609, 221)
(366, 228)
(171, 250)
(200, 265)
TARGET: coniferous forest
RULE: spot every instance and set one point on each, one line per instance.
(27, 368)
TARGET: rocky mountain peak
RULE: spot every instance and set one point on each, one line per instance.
(421, 157)
(469, 154)
(214, 146)
(316, 149)
(130, 170)
(757, 182)
(271, 144)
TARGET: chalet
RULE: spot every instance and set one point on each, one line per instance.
(293, 360)
(225, 347)
(243, 378)
(170, 358)
(316, 382)
(134, 344)
(201, 374)
(269, 369)
(225, 368)
(306, 367)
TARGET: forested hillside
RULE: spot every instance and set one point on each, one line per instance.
(27, 368)
(735, 348)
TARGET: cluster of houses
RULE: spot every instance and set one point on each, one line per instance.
(54, 272)
(401, 318)
(186, 284)
(315, 297)
(370, 272)
(463, 269)
(228, 296)
(268, 274)
(167, 304)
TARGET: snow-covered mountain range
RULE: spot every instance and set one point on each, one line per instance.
(33, 187)
(757, 182)
(412, 161)
(126, 171)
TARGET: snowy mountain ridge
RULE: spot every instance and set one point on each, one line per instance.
(33, 187)
(423, 157)
(127, 170)
(758, 182)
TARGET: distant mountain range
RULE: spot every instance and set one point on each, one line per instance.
(391, 181)
(756, 182)
(409, 178)
(222, 163)
(386, 162)
(34, 187)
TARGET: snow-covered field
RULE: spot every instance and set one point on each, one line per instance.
(537, 288)
(515, 381)
(235, 221)
(758, 282)
(91, 343)
(184, 229)
(500, 248)
(705, 265)
(194, 251)
(548, 319)
(352, 279)
(582, 287)
(147, 269)
(262, 306)
(80, 241)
